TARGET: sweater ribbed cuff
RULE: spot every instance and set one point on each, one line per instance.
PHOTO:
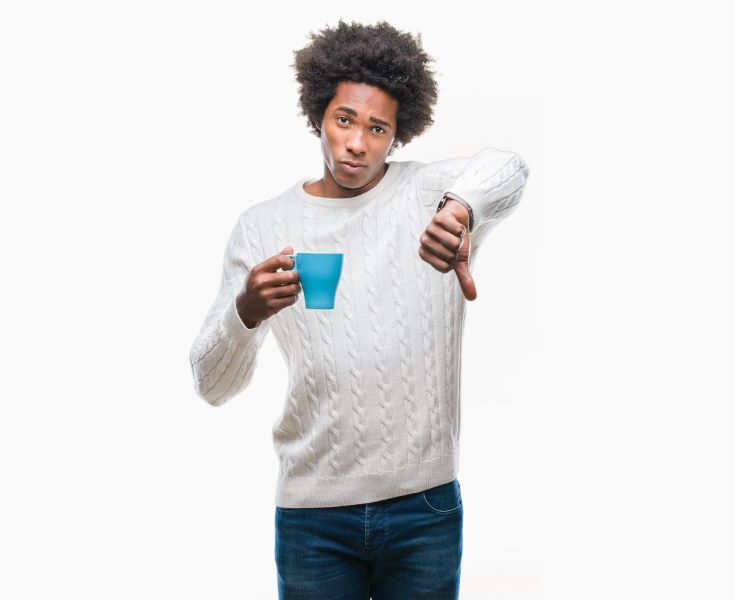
(493, 198)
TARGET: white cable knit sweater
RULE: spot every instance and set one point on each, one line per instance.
(372, 409)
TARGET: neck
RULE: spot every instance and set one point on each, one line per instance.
(327, 186)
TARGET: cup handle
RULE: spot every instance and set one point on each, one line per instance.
(293, 258)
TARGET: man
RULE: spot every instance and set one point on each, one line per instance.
(368, 503)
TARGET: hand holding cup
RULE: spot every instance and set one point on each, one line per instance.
(268, 291)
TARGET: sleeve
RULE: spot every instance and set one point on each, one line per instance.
(223, 356)
(491, 183)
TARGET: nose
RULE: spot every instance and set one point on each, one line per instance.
(355, 143)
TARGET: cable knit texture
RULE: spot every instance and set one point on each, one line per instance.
(372, 409)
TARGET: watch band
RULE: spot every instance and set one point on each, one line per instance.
(451, 196)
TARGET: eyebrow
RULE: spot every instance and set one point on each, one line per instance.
(353, 112)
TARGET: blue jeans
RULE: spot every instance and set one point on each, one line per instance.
(403, 548)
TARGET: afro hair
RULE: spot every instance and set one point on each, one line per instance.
(378, 55)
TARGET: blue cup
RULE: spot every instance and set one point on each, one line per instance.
(319, 274)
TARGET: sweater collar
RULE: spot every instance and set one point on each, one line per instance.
(355, 201)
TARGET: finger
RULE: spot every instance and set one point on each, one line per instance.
(281, 291)
(434, 261)
(280, 303)
(277, 261)
(466, 282)
(446, 237)
(445, 250)
(281, 278)
(448, 223)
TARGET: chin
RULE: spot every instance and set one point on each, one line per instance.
(349, 184)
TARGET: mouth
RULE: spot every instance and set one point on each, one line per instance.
(351, 167)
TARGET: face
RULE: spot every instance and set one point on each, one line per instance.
(359, 126)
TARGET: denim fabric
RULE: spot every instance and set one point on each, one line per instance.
(404, 548)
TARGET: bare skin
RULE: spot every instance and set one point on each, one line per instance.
(358, 125)
(445, 245)
(268, 291)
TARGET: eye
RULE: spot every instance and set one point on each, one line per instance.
(343, 117)
(381, 129)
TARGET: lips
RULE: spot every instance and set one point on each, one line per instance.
(350, 167)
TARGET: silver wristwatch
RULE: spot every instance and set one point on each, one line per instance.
(451, 196)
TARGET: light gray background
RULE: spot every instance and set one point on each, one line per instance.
(597, 378)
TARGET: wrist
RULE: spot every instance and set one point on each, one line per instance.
(450, 199)
(248, 322)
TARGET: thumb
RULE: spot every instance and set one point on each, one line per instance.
(287, 250)
(465, 280)
(462, 270)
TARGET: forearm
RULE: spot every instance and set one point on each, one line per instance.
(223, 357)
(491, 183)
